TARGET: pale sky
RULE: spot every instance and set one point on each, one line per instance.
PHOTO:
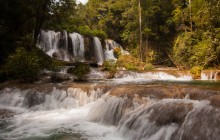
(83, 1)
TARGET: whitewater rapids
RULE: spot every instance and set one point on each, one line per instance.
(94, 114)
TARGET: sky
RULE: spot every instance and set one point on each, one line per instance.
(82, 1)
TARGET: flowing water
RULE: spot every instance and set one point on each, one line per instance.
(72, 47)
(56, 115)
(164, 107)
(77, 42)
(98, 51)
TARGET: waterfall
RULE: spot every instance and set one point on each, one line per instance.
(98, 51)
(121, 113)
(71, 47)
(78, 50)
(48, 40)
(167, 119)
(55, 44)
(110, 46)
(149, 76)
(109, 51)
(209, 75)
(65, 46)
(57, 99)
(109, 109)
(56, 114)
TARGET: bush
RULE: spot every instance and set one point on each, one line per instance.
(111, 67)
(26, 63)
(85, 30)
(196, 72)
(80, 70)
(130, 63)
(148, 67)
(58, 77)
(117, 52)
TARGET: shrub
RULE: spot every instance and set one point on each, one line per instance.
(130, 62)
(85, 30)
(117, 52)
(26, 63)
(196, 72)
(58, 77)
(148, 67)
(80, 70)
(111, 67)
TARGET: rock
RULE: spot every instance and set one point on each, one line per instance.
(4, 113)
(59, 77)
(56, 55)
(215, 101)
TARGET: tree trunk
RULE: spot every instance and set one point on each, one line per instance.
(40, 17)
(140, 28)
(190, 9)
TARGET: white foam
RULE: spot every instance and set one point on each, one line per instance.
(44, 123)
(149, 76)
(62, 111)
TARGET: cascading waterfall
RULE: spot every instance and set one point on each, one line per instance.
(59, 114)
(77, 46)
(71, 47)
(57, 99)
(109, 51)
(92, 114)
(98, 51)
(111, 45)
(109, 109)
(149, 76)
(55, 44)
(209, 75)
(168, 119)
(65, 44)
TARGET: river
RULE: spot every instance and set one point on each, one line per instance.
(171, 108)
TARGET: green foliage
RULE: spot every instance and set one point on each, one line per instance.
(196, 72)
(80, 70)
(130, 63)
(165, 26)
(111, 67)
(26, 64)
(195, 49)
(117, 52)
(148, 66)
(85, 30)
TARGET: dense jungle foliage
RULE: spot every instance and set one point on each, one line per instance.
(181, 33)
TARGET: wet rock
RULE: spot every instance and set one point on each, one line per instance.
(33, 98)
(170, 113)
(4, 113)
(202, 123)
(59, 77)
(158, 120)
(151, 91)
(56, 55)
(215, 101)
(218, 75)
(198, 93)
